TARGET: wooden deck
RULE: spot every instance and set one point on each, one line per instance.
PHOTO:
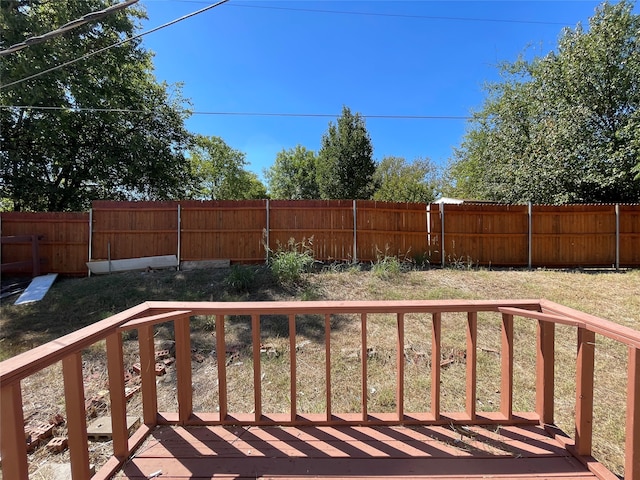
(352, 452)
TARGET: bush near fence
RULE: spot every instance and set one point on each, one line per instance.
(342, 230)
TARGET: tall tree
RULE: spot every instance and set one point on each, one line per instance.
(565, 127)
(399, 181)
(293, 174)
(100, 128)
(219, 172)
(345, 164)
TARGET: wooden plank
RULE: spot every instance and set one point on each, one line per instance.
(584, 391)
(129, 264)
(364, 357)
(545, 365)
(436, 360)
(472, 343)
(183, 368)
(115, 370)
(292, 365)
(520, 312)
(506, 361)
(327, 363)
(632, 433)
(37, 289)
(12, 441)
(76, 419)
(221, 357)
(257, 382)
(148, 375)
(400, 367)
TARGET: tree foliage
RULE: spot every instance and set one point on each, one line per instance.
(565, 127)
(399, 181)
(219, 172)
(101, 128)
(293, 175)
(345, 165)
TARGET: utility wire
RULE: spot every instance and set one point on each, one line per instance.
(374, 14)
(89, 17)
(244, 114)
(117, 44)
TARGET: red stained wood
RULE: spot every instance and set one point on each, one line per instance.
(148, 375)
(12, 441)
(632, 447)
(400, 368)
(183, 368)
(352, 452)
(117, 396)
(76, 419)
(506, 360)
(545, 361)
(436, 355)
(472, 341)
(584, 391)
(364, 359)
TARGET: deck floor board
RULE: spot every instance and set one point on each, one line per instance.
(352, 453)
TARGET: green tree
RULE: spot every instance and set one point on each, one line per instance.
(101, 128)
(219, 172)
(565, 127)
(293, 175)
(345, 165)
(399, 181)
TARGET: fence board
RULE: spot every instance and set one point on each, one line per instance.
(630, 235)
(329, 222)
(63, 248)
(134, 229)
(574, 235)
(486, 234)
(222, 229)
(386, 228)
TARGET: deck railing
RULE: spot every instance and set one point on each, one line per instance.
(142, 319)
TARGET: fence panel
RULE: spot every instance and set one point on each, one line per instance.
(134, 229)
(486, 234)
(329, 222)
(63, 248)
(386, 228)
(223, 229)
(629, 235)
(574, 235)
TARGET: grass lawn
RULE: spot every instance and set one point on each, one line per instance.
(74, 303)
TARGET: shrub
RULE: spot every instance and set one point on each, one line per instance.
(288, 263)
(240, 278)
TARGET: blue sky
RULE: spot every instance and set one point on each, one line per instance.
(415, 58)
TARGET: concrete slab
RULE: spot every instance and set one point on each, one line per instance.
(100, 429)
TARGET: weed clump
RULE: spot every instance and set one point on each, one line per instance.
(240, 278)
(386, 265)
(288, 263)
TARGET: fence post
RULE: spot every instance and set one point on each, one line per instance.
(442, 233)
(355, 234)
(530, 243)
(617, 236)
(179, 230)
(90, 238)
(266, 253)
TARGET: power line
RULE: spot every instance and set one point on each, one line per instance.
(89, 17)
(397, 15)
(117, 44)
(246, 114)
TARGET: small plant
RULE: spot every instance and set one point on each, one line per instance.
(289, 262)
(240, 278)
(386, 265)
(421, 260)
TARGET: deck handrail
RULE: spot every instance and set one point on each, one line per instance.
(143, 317)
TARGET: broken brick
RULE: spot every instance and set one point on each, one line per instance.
(56, 420)
(40, 431)
(136, 367)
(57, 444)
(131, 391)
(160, 369)
(162, 354)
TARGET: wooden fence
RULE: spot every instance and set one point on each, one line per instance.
(342, 230)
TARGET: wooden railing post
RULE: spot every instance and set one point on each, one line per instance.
(327, 362)
(436, 360)
(221, 356)
(364, 358)
(12, 442)
(472, 341)
(506, 359)
(76, 416)
(257, 382)
(148, 375)
(183, 369)
(632, 433)
(545, 363)
(584, 391)
(115, 369)
(292, 366)
(400, 369)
